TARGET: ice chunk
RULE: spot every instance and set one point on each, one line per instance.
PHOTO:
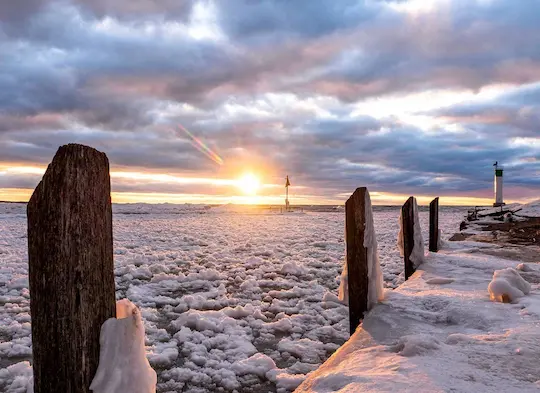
(283, 380)
(524, 267)
(293, 268)
(164, 354)
(308, 350)
(123, 366)
(507, 286)
(258, 364)
(17, 378)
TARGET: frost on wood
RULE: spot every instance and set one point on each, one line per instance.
(123, 366)
(507, 286)
(417, 254)
(375, 290)
(440, 241)
(343, 291)
(400, 234)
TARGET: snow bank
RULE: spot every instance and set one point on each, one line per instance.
(512, 207)
(417, 254)
(437, 333)
(531, 209)
(375, 290)
(123, 366)
(507, 286)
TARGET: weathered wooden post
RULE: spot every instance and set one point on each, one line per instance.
(434, 225)
(407, 217)
(71, 276)
(357, 264)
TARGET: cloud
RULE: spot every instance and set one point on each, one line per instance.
(16, 12)
(138, 9)
(277, 85)
(253, 20)
(514, 113)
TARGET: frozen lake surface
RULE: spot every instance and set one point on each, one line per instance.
(232, 298)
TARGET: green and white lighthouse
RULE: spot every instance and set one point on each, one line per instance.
(498, 185)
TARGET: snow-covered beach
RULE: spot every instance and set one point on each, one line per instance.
(232, 298)
(466, 321)
(440, 332)
(242, 299)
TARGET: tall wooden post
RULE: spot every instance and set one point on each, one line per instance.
(357, 268)
(434, 225)
(407, 216)
(71, 272)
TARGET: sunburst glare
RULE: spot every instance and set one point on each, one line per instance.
(249, 184)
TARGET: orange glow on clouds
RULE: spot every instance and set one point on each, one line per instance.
(247, 189)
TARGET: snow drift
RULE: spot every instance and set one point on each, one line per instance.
(123, 366)
(531, 209)
(437, 333)
(507, 286)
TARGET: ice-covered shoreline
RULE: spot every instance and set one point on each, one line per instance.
(440, 332)
(445, 328)
(243, 291)
(247, 302)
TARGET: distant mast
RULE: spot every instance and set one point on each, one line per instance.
(287, 184)
(498, 185)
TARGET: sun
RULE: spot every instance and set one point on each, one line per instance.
(249, 184)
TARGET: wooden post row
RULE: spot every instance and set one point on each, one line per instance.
(357, 268)
(71, 276)
(407, 217)
(434, 225)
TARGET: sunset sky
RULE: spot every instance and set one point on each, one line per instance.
(198, 101)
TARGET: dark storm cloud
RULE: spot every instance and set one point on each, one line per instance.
(103, 73)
